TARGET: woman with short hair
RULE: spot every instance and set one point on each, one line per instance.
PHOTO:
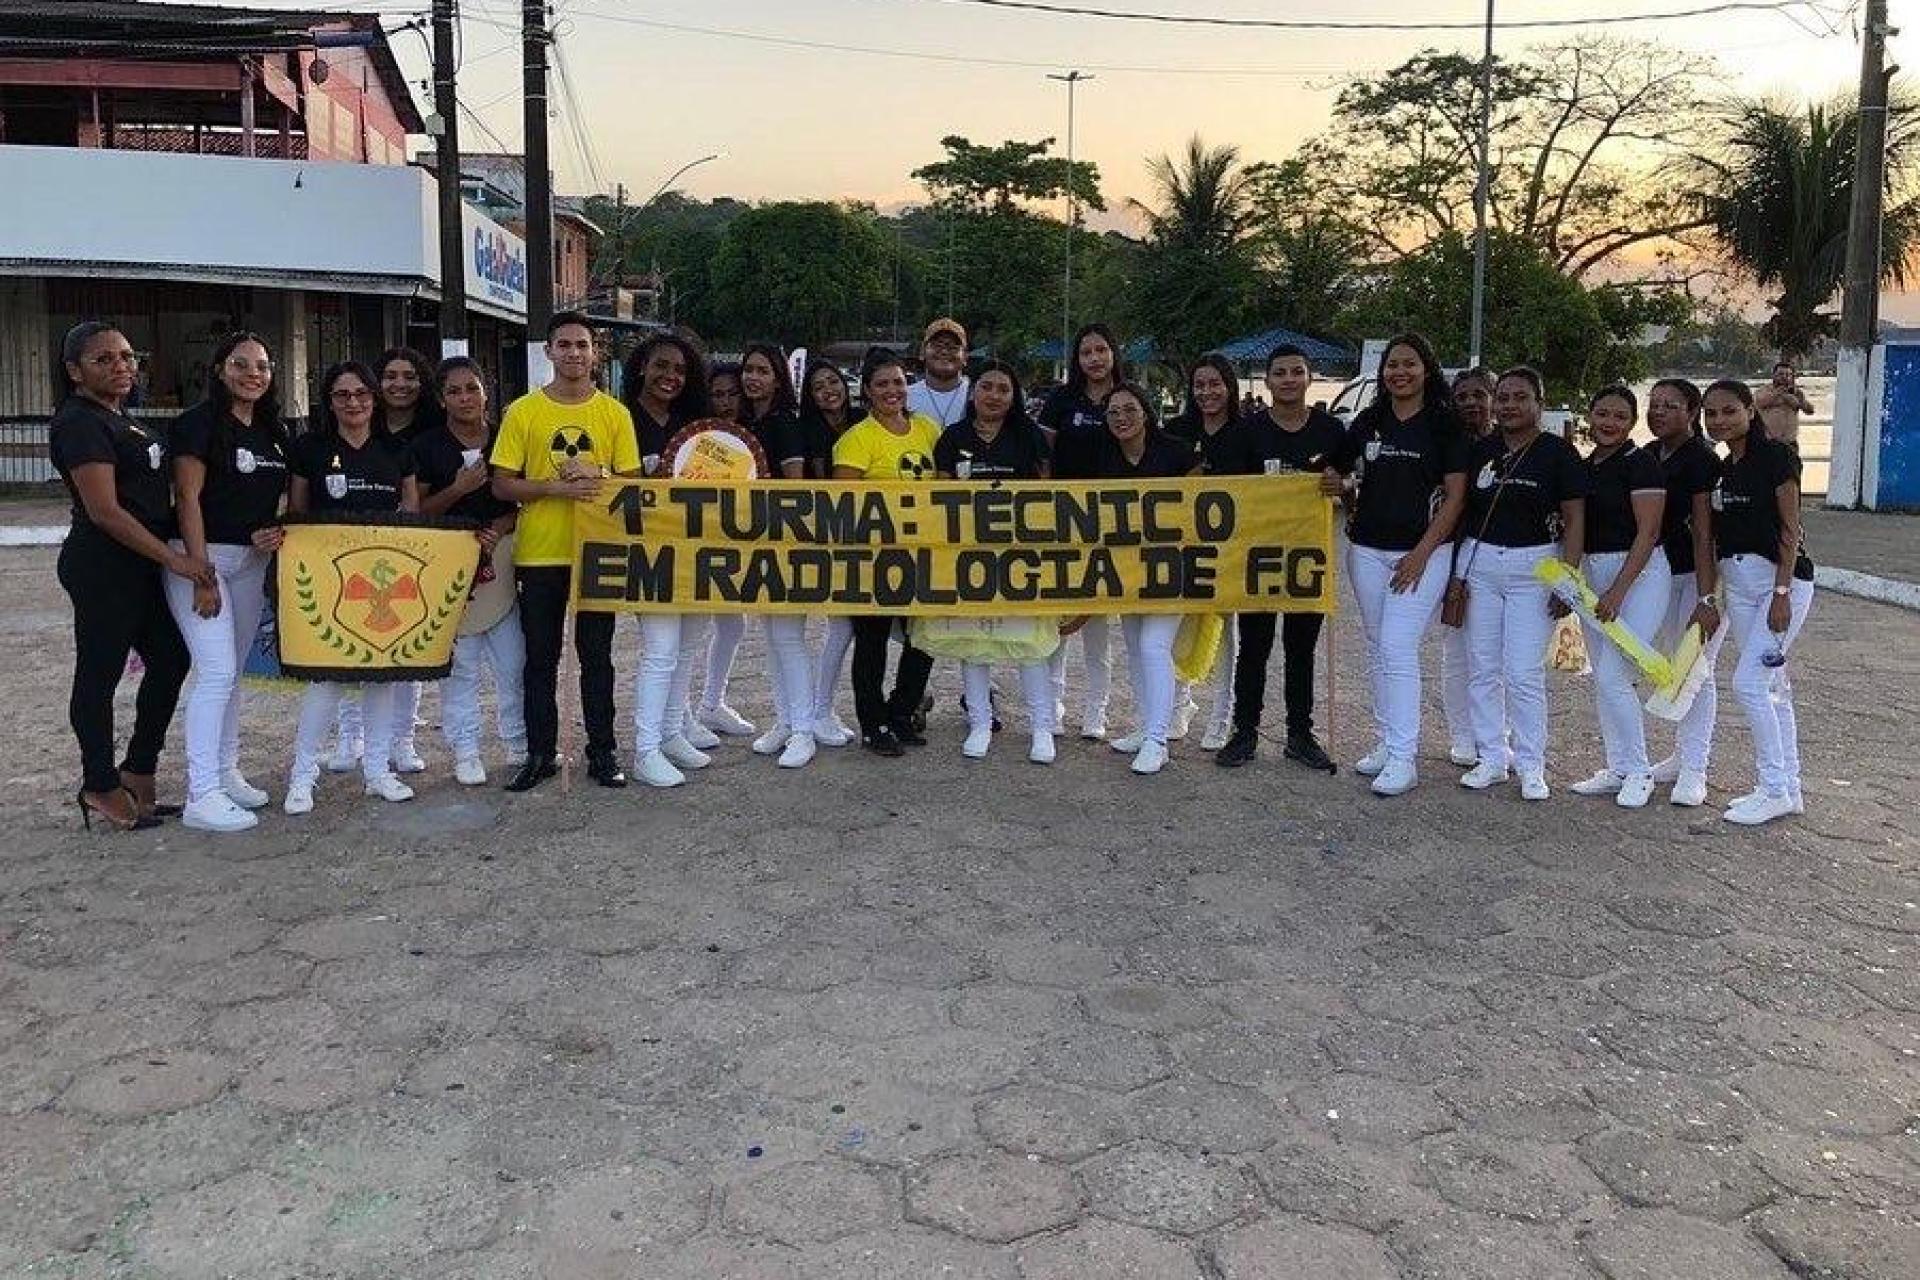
(1473, 404)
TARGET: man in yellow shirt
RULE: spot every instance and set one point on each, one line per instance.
(555, 447)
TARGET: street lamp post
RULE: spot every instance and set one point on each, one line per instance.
(1482, 180)
(1072, 79)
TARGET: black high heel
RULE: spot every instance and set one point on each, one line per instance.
(140, 822)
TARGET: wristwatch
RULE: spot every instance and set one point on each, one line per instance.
(1711, 600)
(1782, 591)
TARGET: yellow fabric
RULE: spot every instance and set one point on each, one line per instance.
(1569, 584)
(1196, 645)
(534, 440)
(882, 455)
(370, 602)
(989, 640)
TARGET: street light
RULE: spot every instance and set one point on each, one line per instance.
(1482, 180)
(615, 245)
(1071, 79)
(675, 176)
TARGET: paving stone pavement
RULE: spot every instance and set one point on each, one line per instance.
(888, 1020)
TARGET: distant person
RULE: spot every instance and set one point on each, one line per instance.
(941, 392)
(1780, 404)
(1473, 402)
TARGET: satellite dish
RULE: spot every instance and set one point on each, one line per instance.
(318, 71)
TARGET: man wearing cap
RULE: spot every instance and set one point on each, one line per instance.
(941, 393)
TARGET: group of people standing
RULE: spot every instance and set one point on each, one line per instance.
(1453, 493)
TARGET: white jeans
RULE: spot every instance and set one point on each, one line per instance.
(1036, 685)
(695, 631)
(1456, 668)
(728, 630)
(320, 704)
(1765, 693)
(791, 667)
(1693, 737)
(1623, 726)
(1220, 680)
(1394, 623)
(1508, 627)
(1150, 640)
(1096, 645)
(502, 647)
(219, 646)
(349, 727)
(653, 678)
(833, 660)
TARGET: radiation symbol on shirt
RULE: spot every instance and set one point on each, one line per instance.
(380, 600)
(570, 442)
(915, 466)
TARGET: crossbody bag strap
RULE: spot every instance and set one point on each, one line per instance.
(1492, 503)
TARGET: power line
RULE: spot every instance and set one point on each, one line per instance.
(1355, 24)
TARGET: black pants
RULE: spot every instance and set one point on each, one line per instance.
(119, 607)
(1299, 633)
(543, 619)
(870, 700)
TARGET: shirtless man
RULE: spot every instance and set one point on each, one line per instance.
(1781, 403)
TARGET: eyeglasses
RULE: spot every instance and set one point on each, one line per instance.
(349, 397)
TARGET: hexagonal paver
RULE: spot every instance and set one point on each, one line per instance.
(1253, 1055)
(1372, 1188)
(1480, 1246)
(1292, 1247)
(1843, 1169)
(1695, 1178)
(1816, 1239)
(610, 1215)
(1523, 1108)
(1657, 1244)
(1199, 1115)
(1059, 1123)
(1673, 1105)
(148, 1083)
(1153, 1186)
(1146, 1007)
(996, 1198)
(1520, 1179)
(1110, 1251)
(1370, 1109)
(811, 1201)
(1815, 1102)
(1099, 1057)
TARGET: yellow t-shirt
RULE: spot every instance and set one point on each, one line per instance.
(536, 437)
(882, 455)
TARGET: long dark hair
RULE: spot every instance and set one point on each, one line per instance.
(810, 414)
(329, 424)
(73, 346)
(692, 401)
(1435, 394)
(1150, 420)
(720, 371)
(1193, 422)
(1739, 391)
(266, 410)
(1691, 393)
(784, 399)
(426, 410)
(1017, 416)
(1076, 376)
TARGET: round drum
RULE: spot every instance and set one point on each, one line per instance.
(491, 600)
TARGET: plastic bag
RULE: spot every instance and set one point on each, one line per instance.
(1567, 647)
(1197, 645)
(989, 640)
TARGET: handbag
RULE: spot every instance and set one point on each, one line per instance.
(1453, 605)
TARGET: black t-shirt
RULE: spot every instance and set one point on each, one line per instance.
(1401, 466)
(247, 471)
(651, 437)
(1079, 429)
(1746, 504)
(780, 439)
(85, 431)
(1611, 484)
(1166, 456)
(342, 478)
(818, 437)
(438, 457)
(1257, 445)
(1540, 476)
(1691, 469)
(1016, 452)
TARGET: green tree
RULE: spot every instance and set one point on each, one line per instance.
(675, 239)
(1313, 258)
(1196, 277)
(1777, 193)
(801, 272)
(999, 179)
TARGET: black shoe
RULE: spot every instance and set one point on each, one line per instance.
(909, 733)
(993, 704)
(1303, 748)
(606, 770)
(533, 771)
(1241, 748)
(882, 742)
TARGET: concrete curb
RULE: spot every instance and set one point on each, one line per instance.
(45, 535)
(1867, 586)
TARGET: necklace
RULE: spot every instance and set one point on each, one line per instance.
(943, 409)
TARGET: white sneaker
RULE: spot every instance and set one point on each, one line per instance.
(406, 759)
(1151, 758)
(1183, 721)
(1215, 738)
(1667, 770)
(1604, 783)
(799, 749)
(1042, 750)
(242, 792)
(1689, 789)
(773, 741)
(217, 811)
(1396, 779)
(1464, 754)
(702, 738)
(299, 798)
(724, 719)
(1371, 763)
(388, 787)
(1635, 790)
(469, 772)
(1130, 743)
(1799, 798)
(978, 740)
(1533, 785)
(1482, 776)
(656, 770)
(1059, 711)
(1752, 811)
(1753, 796)
(345, 757)
(684, 754)
(831, 731)
(1094, 728)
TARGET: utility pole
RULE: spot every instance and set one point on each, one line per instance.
(446, 167)
(1482, 181)
(1849, 484)
(1072, 79)
(539, 183)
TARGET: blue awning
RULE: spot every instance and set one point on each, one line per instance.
(1255, 346)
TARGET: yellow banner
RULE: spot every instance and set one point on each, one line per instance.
(369, 602)
(957, 549)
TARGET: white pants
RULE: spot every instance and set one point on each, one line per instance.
(1508, 627)
(1036, 685)
(502, 647)
(833, 660)
(1096, 639)
(1220, 680)
(219, 646)
(1765, 693)
(351, 729)
(318, 708)
(728, 630)
(1623, 726)
(1394, 623)
(791, 667)
(1150, 640)
(696, 629)
(1456, 668)
(1693, 737)
(660, 655)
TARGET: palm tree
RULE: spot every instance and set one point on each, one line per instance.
(1777, 195)
(1197, 272)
